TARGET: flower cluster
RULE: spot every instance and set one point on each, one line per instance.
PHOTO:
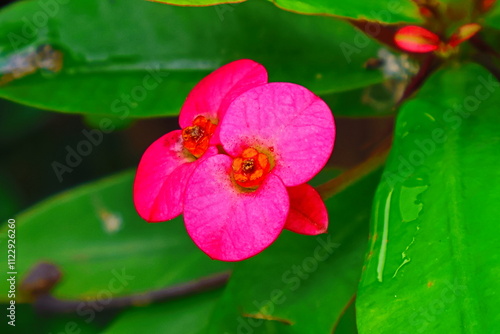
(238, 167)
(420, 40)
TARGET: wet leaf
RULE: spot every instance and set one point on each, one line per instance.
(430, 265)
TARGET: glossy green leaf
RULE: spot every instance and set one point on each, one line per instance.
(347, 324)
(98, 241)
(395, 11)
(493, 16)
(199, 2)
(325, 175)
(189, 315)
(140, 59)
(301, 283)
(388, 12)
(95, 121)
(433, 264)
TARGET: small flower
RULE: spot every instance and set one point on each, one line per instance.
(417, 39)
(420, 40)
(168, 163)
(277, 137)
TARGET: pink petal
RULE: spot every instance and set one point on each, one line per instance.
(417, 39)
(287, 121)
(464, 33)
(226, 223)
(308, 214)
(211, 96)
(158, 162)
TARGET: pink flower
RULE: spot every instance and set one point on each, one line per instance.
(168, 163)
(420, 40)
(277, 137)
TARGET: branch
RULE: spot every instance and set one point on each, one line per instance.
(429, 65)
(47, 304)
(487, 56)
(344, 310)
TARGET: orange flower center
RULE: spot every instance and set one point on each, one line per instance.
(251, 168)
(196, 138)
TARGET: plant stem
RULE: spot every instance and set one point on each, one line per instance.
(375, 160)
(46, 303)
(342, 313)
(429, 65)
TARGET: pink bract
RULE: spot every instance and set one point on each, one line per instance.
(228, 224)
(295, 130)
(166, 165)
(160, 179)
(308, 214)
(213, 94)
(288, 122)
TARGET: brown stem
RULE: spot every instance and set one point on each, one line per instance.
(481, 45)
(375, 160)
(47, 304)
(344, 310)
(429, 65)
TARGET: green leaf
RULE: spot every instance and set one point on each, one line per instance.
(199, 2)
(347, 324)
(188, 315)
(96, 121)
(395, 11)
(301, 284)
(325, 175)
(433, 264)
(140, 59)
(98, 241)
(493, 16)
